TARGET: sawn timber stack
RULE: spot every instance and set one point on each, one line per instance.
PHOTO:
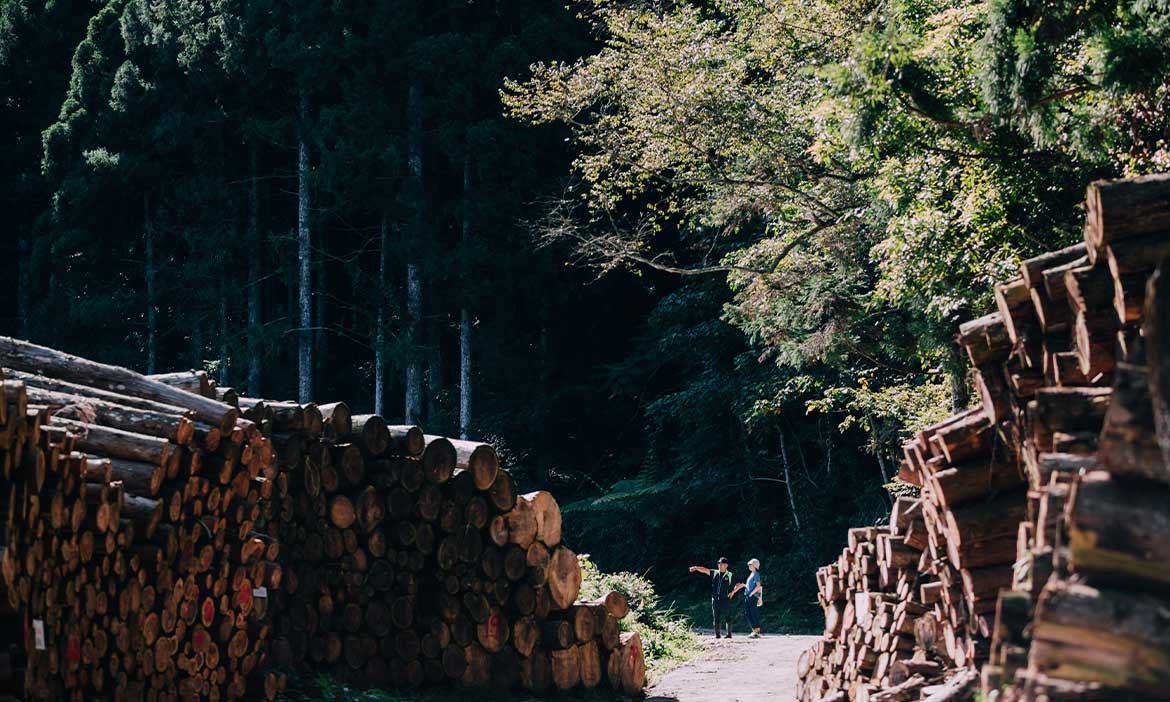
(1034, 564)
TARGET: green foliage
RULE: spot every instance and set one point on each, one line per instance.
(667, 638)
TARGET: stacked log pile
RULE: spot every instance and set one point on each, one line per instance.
(409, 560)
(166, 539)
(1043, 522)
(129, 547)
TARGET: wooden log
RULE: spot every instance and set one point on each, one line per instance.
(31, 358)
(582, 618)
(984, 534)
(1014, 303)
(371, 432)
(115, 443)
(964, 439)
(1032, 270)
(1116, 638)
(521, 524)
(1127, 445)
(1071, 409)
(341, 512)
(564, 578)
(1050, 297)
(1157, 333)
(994, 396)
(502, 494)
(192, 381)
(566, 668)
(971, 481)
(589, 659)
(615, 603)
(480, 459)
(1119, 533)
(632, 666)
(557, 633)
(536, 673)
(438, 459)
(1126, 208)
(985, 339)
(903, 691)
(338, 417)
(548, 516)
(493, 632)
(175, 427)
(1095, 346)
(959, 688)
(525, 635)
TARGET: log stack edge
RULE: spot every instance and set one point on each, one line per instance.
(167, 539)
(1035, 564)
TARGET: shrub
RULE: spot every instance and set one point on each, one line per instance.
(667, 638)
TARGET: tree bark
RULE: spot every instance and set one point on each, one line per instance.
(434, 378)
(222, 374)
(414, 188)
(255, 238)
(305, 355)
(380, 323)
(464, 315)
(413, 367)
(151, 303)
(25, 280)
(320, 335)
(788, 481)
(24, 356)
(1157, 330)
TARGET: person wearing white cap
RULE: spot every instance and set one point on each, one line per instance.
(753, 597)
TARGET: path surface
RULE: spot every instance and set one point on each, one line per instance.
(739, 670)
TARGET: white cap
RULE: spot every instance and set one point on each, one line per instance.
(754, 562)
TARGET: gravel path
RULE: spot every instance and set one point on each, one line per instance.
(739, 670)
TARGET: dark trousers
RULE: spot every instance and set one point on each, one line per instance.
(720, 613)
(753, 612)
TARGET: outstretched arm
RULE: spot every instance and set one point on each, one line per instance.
(700, 569)
(737, 588)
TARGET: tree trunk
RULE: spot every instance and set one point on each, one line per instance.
(1157, 329)
(380, 323)
(788, 481)
(414, 189)
(320, 335)
(222, 375)
(957, 374)
(151, 303)
(434, 369)
(305, 356)
(23, 294)
(196, 341)
(464, 315)
(413, 367)
(254, 273)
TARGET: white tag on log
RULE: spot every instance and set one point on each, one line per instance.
(38, 635)
(260, 592)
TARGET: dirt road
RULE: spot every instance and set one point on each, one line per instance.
(739, 670)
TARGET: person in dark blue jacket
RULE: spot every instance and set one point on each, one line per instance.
(721, 592)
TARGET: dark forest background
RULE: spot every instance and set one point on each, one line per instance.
(705, 259)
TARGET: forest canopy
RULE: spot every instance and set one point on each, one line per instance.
(698, 264)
